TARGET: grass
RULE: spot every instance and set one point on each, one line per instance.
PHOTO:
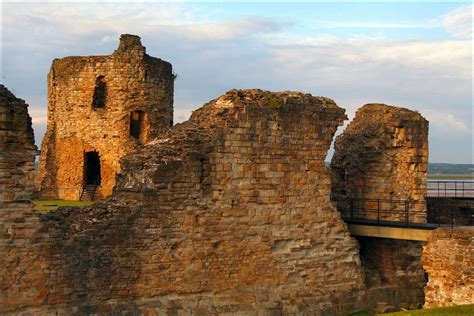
(45, 206)
(450, 176)
(462, 310)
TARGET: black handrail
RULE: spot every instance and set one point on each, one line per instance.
(450, 188)
(91, 193)
(408, 213)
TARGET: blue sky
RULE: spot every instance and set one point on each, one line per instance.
(415, 55)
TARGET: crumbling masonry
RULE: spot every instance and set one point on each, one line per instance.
(227, 212)
(381, 162)
(99, 109)
(17, 221)
(447, 258)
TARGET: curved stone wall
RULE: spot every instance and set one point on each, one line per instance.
(92, 103)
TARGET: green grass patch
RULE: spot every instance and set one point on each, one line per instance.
(462, 310)
(46, 206)
(363, 313)
(450, 176)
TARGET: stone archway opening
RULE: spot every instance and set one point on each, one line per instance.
(92, 168)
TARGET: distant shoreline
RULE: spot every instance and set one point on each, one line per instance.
(448, 176)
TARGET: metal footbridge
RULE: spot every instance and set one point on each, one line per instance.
(448, 204)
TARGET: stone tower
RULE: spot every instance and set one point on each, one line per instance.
(381, 161)
(99, 109)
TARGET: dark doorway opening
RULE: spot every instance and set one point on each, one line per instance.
(136, 124)
(100, 93)
(92, 168)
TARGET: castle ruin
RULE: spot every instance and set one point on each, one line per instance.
(18, 152)
(380, 163)
(228, 212)
(99, 109)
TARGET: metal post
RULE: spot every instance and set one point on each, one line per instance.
(352, 208)
(452, 217)
(437, 213)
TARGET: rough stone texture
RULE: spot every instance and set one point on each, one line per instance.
(17, 156)
(383, 155)
(82, 119)
(17, 152)
(393, 270)
(228, 212)
(450, 211)
(447, 258)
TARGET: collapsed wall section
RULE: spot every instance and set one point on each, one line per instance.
(447, 258)
(17, 154)
(393, 271)
(17, 157)
(99, 109)
(380, 164)
(228, 212)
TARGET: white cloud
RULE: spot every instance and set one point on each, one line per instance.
(459, 21)
(378, 61)
(215, 55)
(374, 24)
(446, 122)
(158, 19)
(38, 115)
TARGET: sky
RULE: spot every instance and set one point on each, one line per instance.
(414, 55)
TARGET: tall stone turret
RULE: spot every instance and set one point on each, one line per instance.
(99, 109)
(381, 162)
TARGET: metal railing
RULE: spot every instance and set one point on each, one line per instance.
(450, 188)
(400, 213)
(90, 190)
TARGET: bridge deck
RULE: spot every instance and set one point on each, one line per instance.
(404, 233)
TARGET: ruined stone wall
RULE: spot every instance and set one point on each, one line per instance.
(228, 212)
(90, 105)
(17, 152)
(383, 155)
(17, 156)
(447, 258)
(393, 270)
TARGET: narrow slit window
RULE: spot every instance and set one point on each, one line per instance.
(100, 93)
(137, 119)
